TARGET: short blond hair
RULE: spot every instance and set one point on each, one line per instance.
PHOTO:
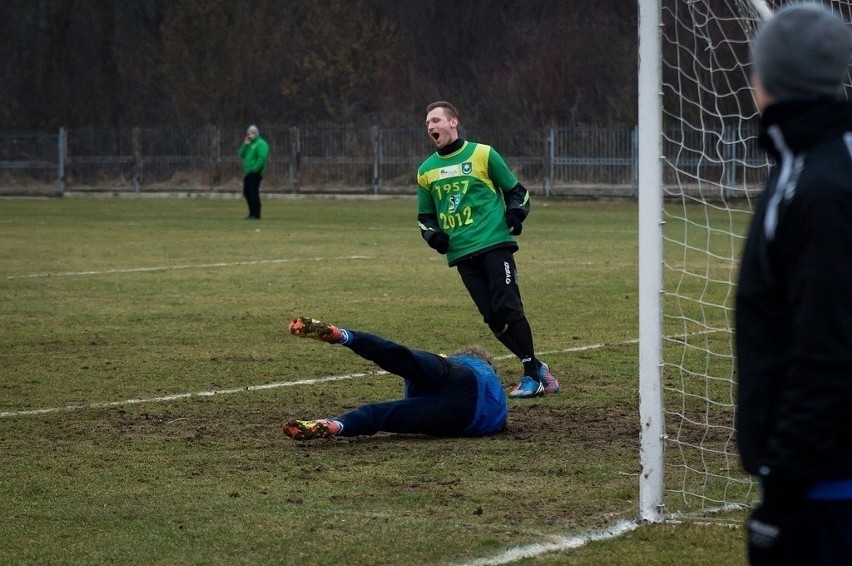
(476, 352)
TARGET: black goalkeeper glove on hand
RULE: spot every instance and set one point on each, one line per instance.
(772, 525)
(440, 242)
(515, 221)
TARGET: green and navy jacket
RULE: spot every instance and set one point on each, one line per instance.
(465, 190)
(254, 155)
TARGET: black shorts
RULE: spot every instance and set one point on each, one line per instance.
(492, 281)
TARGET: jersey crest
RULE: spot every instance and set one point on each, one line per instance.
(453, 202)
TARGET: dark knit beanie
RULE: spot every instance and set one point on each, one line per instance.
(802, 51)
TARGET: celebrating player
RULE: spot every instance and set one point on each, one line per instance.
(470, 207)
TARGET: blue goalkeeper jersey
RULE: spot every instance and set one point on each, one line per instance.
(492, 411)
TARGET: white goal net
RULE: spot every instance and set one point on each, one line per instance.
(709, 173)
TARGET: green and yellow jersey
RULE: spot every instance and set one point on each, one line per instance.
(465, 194)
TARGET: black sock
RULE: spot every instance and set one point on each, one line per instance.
(519, 334)
(531, 366)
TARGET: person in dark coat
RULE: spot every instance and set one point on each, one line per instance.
(794, 297)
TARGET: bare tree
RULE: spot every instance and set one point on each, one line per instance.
(151, 62)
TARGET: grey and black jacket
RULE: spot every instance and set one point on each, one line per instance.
(794, 302)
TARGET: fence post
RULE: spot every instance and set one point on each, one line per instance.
(295, 153)
(549, 152)
(215, 155)
(136, 172)
(634, 157)
(62, 153)
(729, 138)
(375, 139)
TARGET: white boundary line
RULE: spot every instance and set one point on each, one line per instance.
(613, 531)
(175, 267)
(176, 396)
(561, 543)
(275, 385)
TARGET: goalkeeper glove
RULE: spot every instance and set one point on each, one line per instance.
(440, 242)
(514, 220)
(773, 523)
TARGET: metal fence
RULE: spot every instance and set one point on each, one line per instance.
(579, 160)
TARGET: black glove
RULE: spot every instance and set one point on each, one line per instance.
(440, 242)
(773, 523)
(515, 221)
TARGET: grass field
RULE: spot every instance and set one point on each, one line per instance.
(145, 370)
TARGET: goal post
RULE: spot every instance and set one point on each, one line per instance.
(650, 263)
(699, 172)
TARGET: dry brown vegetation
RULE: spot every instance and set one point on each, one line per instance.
(157, 62)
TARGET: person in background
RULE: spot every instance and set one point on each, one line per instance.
(470, 208)
(254, 153)
(794, 296)
(453, 396)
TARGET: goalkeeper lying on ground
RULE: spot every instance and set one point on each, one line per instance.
(459, 395)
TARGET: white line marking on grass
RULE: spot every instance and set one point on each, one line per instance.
(607, 533)
(559, 544)
(177, 396)
(278, 384)
(581, 348)
(175, 267)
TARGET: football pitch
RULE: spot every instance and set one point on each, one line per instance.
(145, 371)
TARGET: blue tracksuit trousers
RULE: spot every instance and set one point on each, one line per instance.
(441, 395)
